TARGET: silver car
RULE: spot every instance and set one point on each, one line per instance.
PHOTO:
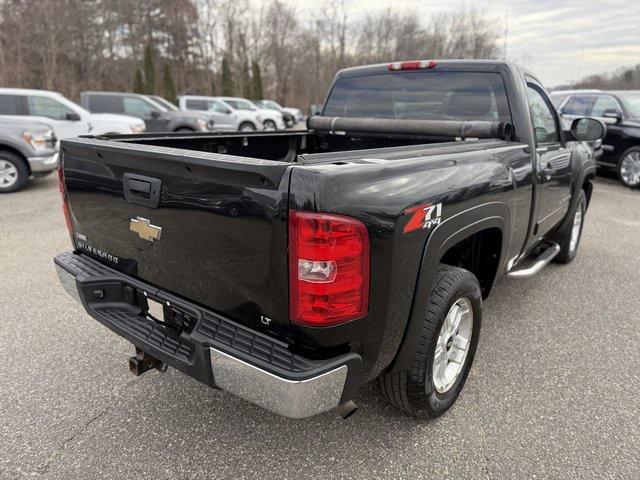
(31, 149)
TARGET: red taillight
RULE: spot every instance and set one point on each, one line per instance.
(413, 65)
(328, 268)
(65, 199)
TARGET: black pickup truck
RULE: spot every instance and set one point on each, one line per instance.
(289, 268)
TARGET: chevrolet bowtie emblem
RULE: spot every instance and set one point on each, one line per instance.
(144, 229)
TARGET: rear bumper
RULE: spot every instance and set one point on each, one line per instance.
(217, 351)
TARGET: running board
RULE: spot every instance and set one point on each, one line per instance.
(542, 261)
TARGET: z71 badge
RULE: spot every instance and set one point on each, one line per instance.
(423, 216)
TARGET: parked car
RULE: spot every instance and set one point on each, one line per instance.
(559, 96)
(288, 118)
(297, 114)
(270, 119)
(226, 118)
(620, 110)
(361, 248)
(65, 117)
(157, 117)
(27, 148)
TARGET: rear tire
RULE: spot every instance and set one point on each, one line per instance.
(629, 167)
(421, 390)
(247, 127)
(14, 172)
(185, 129)
(270, 125)
(570, 233)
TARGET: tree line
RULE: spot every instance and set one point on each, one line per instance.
(220, 47)
(626, 78)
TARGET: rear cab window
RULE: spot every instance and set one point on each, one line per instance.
(421, 95)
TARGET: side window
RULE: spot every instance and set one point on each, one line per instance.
(104, 104)
(602, 104)
(137, 107)
(218, 107)
(544, 121)
(578, 106)
(47, 107)
(9, 105)
(196, 105)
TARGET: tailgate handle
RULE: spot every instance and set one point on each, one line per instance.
(142, 190)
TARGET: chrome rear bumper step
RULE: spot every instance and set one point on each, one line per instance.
(539, 263)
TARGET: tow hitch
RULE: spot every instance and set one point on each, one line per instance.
(142, 362)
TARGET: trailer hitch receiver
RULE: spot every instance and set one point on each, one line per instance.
(142, 362)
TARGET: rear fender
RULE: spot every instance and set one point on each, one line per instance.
(443, 237)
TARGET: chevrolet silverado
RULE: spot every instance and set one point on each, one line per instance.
(290, 267)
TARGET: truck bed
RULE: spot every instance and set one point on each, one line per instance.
(218, 204)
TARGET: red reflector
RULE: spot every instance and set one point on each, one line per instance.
(328, 268)
(413, 65)
(63, 195)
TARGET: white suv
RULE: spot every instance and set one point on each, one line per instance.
(65, 117)
(233, 113)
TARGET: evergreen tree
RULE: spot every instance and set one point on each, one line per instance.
(228, 88)
(149, 71)
(169, 88)
(138, 84)
(256, 81)
(247, 87)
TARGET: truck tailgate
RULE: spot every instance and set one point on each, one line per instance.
(208, 227)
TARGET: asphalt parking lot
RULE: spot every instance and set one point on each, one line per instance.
(554, 391)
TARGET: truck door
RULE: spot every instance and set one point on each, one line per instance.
(552, 161)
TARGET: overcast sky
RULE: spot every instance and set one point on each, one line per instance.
(559, 40)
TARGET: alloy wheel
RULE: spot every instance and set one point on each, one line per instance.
(8, 174)
(453, 345)
(630, 169)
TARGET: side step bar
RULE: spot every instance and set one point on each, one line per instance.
(542, 261)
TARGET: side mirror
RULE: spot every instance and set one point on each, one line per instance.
(155, 114)
(612, 116)
(588, 129)
(73, 117)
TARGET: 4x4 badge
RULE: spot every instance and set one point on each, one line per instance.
(144, 229)
(423, 216)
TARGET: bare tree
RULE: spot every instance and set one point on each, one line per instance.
(75, 45)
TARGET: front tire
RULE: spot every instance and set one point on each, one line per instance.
(570, 233)
(13, 172)
(247, 127)
(270, 125)
(629, 167)
(445, 350)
